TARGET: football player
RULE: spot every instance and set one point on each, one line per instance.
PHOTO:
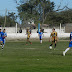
(53, 37)
(70, 45)
(4, 35)
(1, 37)
(28, 37)
(40, 35)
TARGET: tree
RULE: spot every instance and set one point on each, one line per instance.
(10, 20)
(35, 9)
(55, 18)
(1, 21)
(43, 11)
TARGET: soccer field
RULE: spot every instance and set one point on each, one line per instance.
(18, 57)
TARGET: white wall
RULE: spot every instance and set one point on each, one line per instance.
(12, 36)
(10, 29)
(13, 30)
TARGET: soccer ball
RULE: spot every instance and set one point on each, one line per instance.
(50, 47)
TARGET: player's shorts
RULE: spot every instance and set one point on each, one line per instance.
(1, 39)
(4, 41)
(40, 37)
(70, 44)
(28, 37)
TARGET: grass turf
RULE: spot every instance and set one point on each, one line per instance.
(18, 57)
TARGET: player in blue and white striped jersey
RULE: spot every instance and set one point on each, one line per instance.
(70, 45)
(40, 35)
(1, 41)
(4, 35)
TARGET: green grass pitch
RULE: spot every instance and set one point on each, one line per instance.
(18, 57)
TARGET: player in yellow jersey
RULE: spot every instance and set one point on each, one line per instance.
(28, 36)
(53, 37)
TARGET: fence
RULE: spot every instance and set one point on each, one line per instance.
(48, 30)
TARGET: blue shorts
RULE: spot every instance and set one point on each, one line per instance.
(4, 41)
(70, 44)
(1, 39)
(40, 37)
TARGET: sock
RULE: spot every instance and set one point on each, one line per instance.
(55, 45)
(40, 41)
(67, 50)
(51, 45)
(2, 46)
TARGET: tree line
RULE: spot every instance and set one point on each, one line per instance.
(41, 11)
(10, 20)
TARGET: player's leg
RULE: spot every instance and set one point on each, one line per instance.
(0, 42)
(27, 41)
(30, 41)
(55, 43)
(51, 43)
(67, 49)
(64, 52)
(3, 43)
(40, 39)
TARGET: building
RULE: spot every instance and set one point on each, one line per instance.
(68, 27)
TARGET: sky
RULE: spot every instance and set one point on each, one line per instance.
(68, 3)
(10, 5)
(7, 4)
